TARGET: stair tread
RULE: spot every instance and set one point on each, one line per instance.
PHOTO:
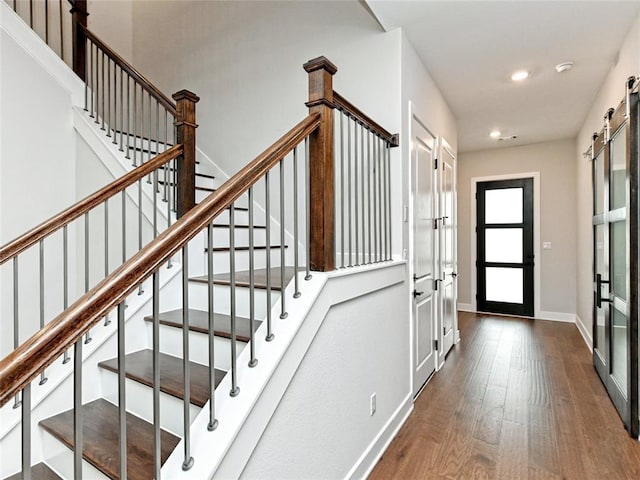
(242, 278)
(199, 322)
(100, 433)
(139, 367)
(244, 248)
(39, 471)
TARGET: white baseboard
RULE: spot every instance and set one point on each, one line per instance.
(556, 316)
(465, 307)
(586, 334)
(542, 315)
(378, 446)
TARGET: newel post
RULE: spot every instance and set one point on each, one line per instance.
(186, 135)
(321, 175)
(79, 16)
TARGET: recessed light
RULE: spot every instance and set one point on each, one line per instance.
(520, 75)
(495, 134)
(564, 66)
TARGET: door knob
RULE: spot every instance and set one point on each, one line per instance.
(417, 293)
(454, 274)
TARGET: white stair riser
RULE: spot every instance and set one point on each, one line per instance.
(241, 217)
(198, 299)
(221, 236)
(221, 260)
(60, 459)
(171, 344)
(140, 402)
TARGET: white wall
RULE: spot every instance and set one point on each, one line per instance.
(427, 104)
(610, 95)
(112, 22)
(555, 162)
(322, 427)
(244, 60)
(37, 155)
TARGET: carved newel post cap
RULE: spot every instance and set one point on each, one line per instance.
(185, 95)
(79, 7)
(320, 63)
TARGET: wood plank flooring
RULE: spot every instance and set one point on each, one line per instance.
(516, 399)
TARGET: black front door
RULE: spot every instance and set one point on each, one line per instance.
(505, 258)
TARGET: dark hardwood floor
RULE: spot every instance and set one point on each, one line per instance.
(516, 399)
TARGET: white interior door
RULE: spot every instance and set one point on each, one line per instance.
(424, 248)
(447, 228)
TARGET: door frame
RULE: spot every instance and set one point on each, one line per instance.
(408, 215)
(536, 234)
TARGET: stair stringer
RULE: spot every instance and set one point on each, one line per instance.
(224, 453)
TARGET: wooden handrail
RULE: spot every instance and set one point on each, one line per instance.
(23, 364)
(343, 104)
(132, 72)
(56, 222)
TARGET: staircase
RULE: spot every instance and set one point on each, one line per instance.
(238, 265)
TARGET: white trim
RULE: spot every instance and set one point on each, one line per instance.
(586, 334)
(369, 458)
(556, 316)
(465, 307)
(536, 233)
(548, 316)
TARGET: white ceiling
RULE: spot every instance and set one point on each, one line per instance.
(470, 48)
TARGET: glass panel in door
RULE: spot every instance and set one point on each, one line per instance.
(600, 343)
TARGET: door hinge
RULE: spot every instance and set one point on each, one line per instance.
(435, 163)
(435, 344)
